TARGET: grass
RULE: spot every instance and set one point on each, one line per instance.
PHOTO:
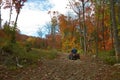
(25, 58)
(40, 53)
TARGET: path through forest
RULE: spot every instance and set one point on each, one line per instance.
(62, 68)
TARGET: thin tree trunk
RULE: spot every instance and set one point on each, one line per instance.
(13, 39)
(97, 28)
(103, 42)
(81, 31)
(84, 29)
(96, 41)
(111, 31)
(115, 30)
(15, 25)
(96, 36)
(10, 14)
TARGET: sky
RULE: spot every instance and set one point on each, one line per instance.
(34, 14)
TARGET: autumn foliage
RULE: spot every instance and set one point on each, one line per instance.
(88, 26)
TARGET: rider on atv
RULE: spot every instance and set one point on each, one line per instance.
(73, 55)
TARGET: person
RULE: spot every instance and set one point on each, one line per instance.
(74, 55)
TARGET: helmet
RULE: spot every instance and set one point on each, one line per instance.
(74, 50)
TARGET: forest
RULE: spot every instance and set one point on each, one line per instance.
(93, 29)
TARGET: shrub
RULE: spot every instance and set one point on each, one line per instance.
(13, 51)
(7, 47)
(108, 57)
(110, 60)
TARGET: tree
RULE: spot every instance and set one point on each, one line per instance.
(79, 8)
(115, 30)
(97, 24)
(47, 28)
(53, 16)
(40, 32)
(18, 5)
(68, 30)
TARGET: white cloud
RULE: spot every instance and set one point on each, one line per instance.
(35, 14)
(59, 5)
(29, 21)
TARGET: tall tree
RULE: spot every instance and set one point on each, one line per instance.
(115, 29)
(53, 16)
(18, 5)
(97, 25)
(84, 26)
(79, 7)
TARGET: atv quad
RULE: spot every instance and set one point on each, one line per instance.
(74, 56)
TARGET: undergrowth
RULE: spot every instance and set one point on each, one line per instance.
(11, 51)
(108, 57)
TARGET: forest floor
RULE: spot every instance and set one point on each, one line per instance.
(61, 68)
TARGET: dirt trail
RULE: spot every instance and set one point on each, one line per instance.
(62, 68)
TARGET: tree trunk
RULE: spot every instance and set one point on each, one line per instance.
(103, 36)
(111, 31)
(53, 31)
(96, 34)
(80, 31)
(13, 39)
(84, 29)
(115, 30)
(10, 14)
(97, 25)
